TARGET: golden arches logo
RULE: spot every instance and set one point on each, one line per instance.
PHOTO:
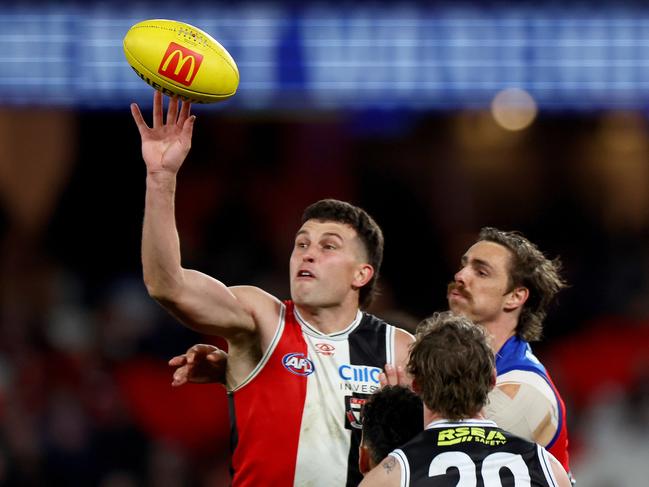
(180, 64)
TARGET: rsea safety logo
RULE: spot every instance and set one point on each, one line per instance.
(298, 364)
(462, 434)
(180, 64)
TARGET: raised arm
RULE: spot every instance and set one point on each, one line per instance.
(199, 301)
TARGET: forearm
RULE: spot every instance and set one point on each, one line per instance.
(199, 301)
(161, 261)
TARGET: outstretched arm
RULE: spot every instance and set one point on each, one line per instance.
(199, 301)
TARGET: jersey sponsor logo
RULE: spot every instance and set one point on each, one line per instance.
(180, 64)
(325, 349)
(298, 364)
(461, 434)
(359, 373)
(353, 406)
(359, 378)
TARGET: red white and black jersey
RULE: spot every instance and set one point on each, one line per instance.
(472, 453)
(295, 419)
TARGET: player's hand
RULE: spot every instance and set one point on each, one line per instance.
(394, 376)
(166, 144)
(200, 364)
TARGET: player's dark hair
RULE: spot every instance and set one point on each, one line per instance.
(452, 365)
(531, 269)
(392, 416)
(367, 229)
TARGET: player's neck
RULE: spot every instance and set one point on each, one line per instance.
(432, 416)
(330, 319)
(500, 331)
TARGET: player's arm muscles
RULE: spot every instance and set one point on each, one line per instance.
(199, 301)
(385, 474)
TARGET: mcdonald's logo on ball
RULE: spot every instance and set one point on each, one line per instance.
(180, 64)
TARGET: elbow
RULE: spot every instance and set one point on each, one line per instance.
(161, 290)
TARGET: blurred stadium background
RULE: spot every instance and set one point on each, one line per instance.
(438, 118)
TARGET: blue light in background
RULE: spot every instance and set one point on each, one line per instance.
(321, 57)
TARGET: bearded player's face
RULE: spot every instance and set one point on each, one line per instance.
(480, 287)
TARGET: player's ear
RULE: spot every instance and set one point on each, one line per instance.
(363, 275)
(415, 387)
(516, 298)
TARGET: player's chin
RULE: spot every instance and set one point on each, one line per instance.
(310, 300)
(300, 294)
(457, 305)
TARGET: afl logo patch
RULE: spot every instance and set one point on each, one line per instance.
(325, 349)
(298, 364)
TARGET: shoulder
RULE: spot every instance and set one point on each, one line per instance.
(400, 337)
(256, 298)
(385, 474)
(402, 342)
(523, 403)
(375, 323)
(527, 384)
(265, 308)
(516, 354)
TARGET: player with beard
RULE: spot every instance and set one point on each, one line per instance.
(505, 284)
(298, 370)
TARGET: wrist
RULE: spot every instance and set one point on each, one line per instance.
(161, 179)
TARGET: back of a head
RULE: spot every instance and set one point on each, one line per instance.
(452, 366)
(366, 228)
(392, 416)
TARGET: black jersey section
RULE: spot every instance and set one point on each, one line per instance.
(234, 433)
(478, 444)
(367, 348)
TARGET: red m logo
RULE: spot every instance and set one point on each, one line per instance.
(180, 64)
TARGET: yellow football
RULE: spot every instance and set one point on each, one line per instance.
(179, 59)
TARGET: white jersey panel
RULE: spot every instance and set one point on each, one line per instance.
(324, 442)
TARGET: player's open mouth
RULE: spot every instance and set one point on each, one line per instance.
(305, 274)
